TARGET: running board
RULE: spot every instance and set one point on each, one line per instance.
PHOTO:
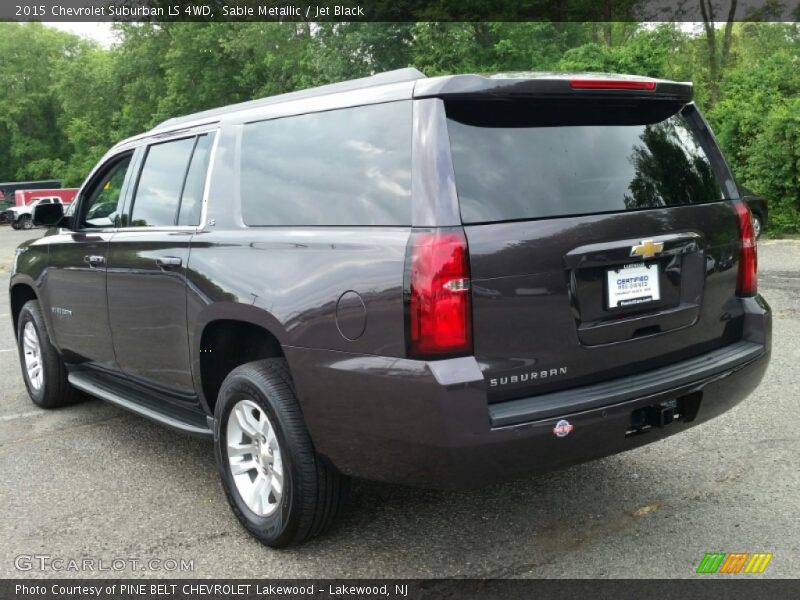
(151, 405)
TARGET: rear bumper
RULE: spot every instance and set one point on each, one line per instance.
(680, 378)
(429, 424)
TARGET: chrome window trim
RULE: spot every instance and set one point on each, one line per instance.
(157, 229)
(212, 159)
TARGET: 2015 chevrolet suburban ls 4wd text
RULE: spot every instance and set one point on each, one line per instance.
(433, 281)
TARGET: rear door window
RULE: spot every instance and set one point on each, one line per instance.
(192, 197)
(526, 160)
(160, 183)
(172, 182)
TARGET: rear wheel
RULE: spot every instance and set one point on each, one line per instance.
(25, 222)
(42, 368)
(277, 486)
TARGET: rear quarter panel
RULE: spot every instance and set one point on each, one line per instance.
(297, 277)
(328, 288)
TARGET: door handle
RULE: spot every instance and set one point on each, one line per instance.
(169, 261)
(93, 260)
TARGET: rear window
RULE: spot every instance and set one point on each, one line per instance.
(341, 167)
(525, 160)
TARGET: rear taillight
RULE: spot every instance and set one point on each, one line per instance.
(747, 281)
(438, 294)
(611, 84)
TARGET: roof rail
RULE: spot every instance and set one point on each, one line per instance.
(387, 77)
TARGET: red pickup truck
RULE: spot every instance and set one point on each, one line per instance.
(25, 197)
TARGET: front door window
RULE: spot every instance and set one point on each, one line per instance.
(103, 204)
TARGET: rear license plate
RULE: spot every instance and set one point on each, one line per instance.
(633, 284)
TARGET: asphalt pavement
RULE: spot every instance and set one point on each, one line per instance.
(93, 481)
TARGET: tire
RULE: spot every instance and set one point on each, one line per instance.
(48, 387)
(15, 224)
(758, 225)
(312, 493)
(25, 222)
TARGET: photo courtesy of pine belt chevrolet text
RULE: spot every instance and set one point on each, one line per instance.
(441, 282)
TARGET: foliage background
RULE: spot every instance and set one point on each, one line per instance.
(65, 100)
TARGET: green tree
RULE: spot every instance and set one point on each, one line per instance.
(342, 51)
(756, 118)
(66, 100)
(139, 75)
(29, 113)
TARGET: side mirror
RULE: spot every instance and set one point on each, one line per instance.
(48, 215)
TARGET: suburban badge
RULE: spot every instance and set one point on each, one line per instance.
(529, 376)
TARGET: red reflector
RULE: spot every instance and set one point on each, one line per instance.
(747, 280)
(611, 84)
(439, 306)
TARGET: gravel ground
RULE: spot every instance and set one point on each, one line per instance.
(94, 481)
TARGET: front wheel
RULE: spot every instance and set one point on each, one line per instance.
(26, 222)
(278, 487)
(15, 224)
(42, 367)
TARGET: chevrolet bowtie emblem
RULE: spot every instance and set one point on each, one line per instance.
(647, 249)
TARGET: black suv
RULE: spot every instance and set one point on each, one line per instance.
(441, 281)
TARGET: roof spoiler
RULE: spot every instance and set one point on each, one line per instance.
(554, 85)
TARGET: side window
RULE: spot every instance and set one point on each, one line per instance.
(160, 184)
(102, 201)
(342, 167)
(192, 198)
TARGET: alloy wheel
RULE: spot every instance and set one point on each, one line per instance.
(255, 458)
(33, 355)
